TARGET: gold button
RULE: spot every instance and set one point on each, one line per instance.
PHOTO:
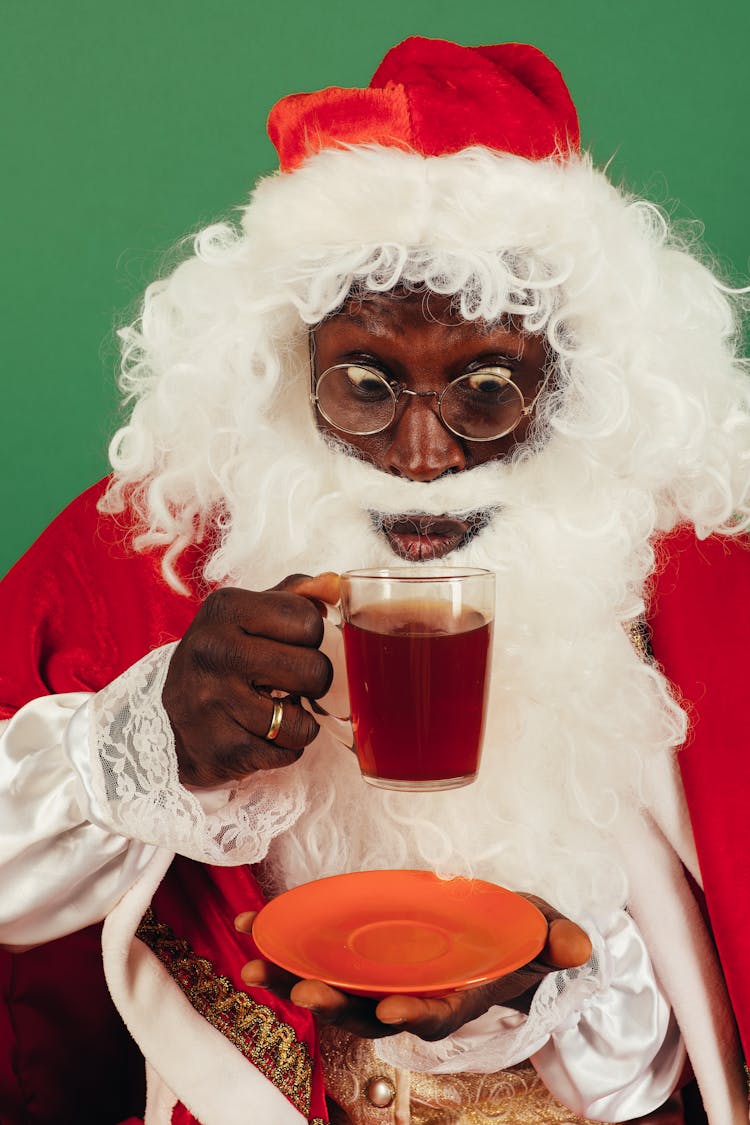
(380, 1092)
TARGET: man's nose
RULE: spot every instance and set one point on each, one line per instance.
(420, 446)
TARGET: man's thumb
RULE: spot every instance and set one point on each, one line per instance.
(323, 589)
(567, 945)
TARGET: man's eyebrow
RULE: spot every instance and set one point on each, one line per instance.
(378, 324)
(375, 325)
(355, 317)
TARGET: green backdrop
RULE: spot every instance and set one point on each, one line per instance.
(127, 125)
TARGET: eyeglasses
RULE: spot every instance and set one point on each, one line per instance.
(482, 405)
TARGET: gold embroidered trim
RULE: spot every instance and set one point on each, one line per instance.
(254, 1029)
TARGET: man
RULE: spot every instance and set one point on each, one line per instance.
(301, 390)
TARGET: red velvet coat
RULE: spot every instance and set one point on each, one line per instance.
(80, 607)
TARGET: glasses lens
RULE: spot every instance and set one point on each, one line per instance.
(482, 405)
(354, 399)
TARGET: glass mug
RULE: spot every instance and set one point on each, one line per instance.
(417, 643)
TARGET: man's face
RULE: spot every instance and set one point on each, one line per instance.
(415, 339)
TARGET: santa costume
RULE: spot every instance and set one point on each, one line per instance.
(612, 781)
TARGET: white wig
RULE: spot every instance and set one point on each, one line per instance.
(648, 384)
(646, 425)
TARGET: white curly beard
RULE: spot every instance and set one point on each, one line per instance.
(651, 424)
(575, 716)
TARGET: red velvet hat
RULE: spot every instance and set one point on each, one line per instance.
(434, 97)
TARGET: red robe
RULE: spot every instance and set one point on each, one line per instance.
(80, 607)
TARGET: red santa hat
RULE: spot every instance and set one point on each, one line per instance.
(434, 97)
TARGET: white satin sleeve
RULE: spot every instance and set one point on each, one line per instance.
(89, 789)
(58, 871)
(602, 1037)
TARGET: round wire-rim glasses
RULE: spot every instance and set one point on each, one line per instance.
(341, 397)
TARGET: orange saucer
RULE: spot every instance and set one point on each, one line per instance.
(379, 933)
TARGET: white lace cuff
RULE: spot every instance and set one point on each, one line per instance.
(131, 777)
(595, 1033)
(502, 1036)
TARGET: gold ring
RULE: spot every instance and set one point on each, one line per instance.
(276, 717)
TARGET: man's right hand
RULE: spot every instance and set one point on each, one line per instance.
(241, 646)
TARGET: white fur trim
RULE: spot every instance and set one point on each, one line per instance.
(189, 1060)
(685, 961)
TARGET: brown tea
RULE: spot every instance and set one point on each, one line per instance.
(417, 685)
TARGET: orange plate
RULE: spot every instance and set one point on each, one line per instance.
(378, 933)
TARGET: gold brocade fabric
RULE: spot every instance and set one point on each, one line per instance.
(516, 1096)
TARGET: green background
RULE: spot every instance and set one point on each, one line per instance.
(128, 125)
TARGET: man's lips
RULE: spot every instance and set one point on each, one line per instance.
(419, 538)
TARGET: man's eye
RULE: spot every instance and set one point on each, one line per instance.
(366, 382)
(489, 380)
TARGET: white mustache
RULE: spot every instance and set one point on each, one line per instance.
(484, 489)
